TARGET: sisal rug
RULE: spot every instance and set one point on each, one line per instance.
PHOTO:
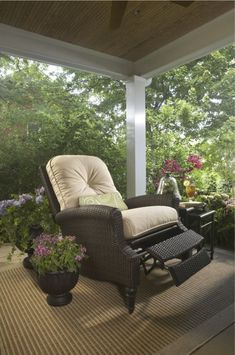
(96, 322)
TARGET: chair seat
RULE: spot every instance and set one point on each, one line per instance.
(138, 222)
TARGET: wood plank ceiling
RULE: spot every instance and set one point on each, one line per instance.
(146, 25)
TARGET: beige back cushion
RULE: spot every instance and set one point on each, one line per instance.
(72, 176)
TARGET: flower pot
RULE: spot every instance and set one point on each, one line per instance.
(57, 285)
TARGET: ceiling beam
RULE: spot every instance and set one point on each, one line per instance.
(18, 42)
(117, 12)
(196, 44)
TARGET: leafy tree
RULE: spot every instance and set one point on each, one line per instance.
(47, 111)
(43, 115)
(191, 109)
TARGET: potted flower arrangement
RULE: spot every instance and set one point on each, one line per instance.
(57, 260)
(24, 217)
(181, 171)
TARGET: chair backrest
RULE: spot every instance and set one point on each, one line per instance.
(73, 176)
(55, 206)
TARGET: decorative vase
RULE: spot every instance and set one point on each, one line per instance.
(57, 285)
(190, 191)
(168, 184)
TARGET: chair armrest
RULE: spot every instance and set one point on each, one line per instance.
(95, 224)
(99, 212)
(153, 200)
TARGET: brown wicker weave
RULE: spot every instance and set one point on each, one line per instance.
(100, 229)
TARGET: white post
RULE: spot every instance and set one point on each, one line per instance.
(136, 140)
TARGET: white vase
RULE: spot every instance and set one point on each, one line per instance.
(168, 184)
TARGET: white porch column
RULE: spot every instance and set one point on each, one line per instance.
(136, 140)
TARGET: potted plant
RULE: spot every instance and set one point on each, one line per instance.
(168, 183)
(57, 260)
(23, 217)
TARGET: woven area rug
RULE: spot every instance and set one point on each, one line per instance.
(96, 322)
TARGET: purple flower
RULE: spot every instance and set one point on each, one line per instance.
(16, 203)
(45, 239)
(24, 198)
(55, 252)
(40, 191)
(78, 258)
(195, 160)
(192, 162)
(42, 250)
(39, 199)
(7, 203)
(83, 250)
(171, 166)
(2, 208)
(70, 238)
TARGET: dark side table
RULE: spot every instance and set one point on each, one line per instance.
(201, 221)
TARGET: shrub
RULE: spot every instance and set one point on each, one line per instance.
(224, 217)
(20, 214)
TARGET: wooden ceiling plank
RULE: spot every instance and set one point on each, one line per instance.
(146, 25)
(183, 3)
(199, 13)
(195, 44)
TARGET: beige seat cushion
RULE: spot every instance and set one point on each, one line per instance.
(140, 221)
(72, 176)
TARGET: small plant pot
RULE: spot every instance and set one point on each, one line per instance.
(57, 285)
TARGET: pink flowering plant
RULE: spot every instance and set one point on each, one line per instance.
(182, 171)
(53, 253)
(192, 162)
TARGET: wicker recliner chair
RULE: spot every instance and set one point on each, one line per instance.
(118, 238)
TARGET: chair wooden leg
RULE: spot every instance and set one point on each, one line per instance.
(130, 294)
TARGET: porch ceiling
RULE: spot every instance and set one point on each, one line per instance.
(147, 29)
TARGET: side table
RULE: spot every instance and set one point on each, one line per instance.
(200, 221)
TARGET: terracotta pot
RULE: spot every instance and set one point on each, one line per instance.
(57, 285)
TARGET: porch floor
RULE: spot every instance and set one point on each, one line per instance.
(223, 343)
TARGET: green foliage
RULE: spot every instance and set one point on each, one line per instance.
(56, 253)
(224, 217)
(225, 227)
(191, 110)
(20, 214)
(48, 111)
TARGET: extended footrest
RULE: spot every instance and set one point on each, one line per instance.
(176, 246)
(184, 270)
(187, 247)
